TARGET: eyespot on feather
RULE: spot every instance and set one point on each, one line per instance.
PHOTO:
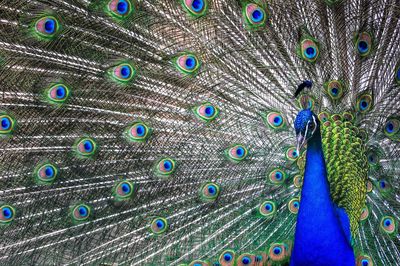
(123, 190)
(46, 27)
(277, 176)
(334, 89)
(195, 8)
(364, 103)
(294, 205)
(7, 124)
(209, 191)
(245, 259)
(206, 112)
(120, 9)
(7, 214)
(85, 148)
(274, 120)
(137, 132)
(187, 63)
(165, 167)
(255, 16)
(57, 94)
(45, 173)
(123, 72)
(388, 225)
(159, 226)
(267, 209)
(236, 153)
(364, 260)
(227, 258)
(80, 212)
(363, 43)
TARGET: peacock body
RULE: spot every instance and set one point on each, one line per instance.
(163, 132)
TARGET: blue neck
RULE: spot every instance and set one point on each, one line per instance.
(319, 237)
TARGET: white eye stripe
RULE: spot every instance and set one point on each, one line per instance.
(315, 125)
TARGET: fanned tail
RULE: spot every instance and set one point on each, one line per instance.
(159, 133)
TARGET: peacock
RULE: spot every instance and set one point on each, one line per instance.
(200, 132)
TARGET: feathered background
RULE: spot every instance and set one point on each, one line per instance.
(244, 71)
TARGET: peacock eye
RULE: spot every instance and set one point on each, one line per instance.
(274, 120)
(120, 8)
(206, 112)
(323, 117)
(57, 94)
(47, 27)
(388, 225)
(334, 89)
(209, 191)
(291, 154)
(123, 190)
(137, 132)
(46, 173)
(195, 8)
(255, 16)
(227, 257)
(306, 102)
(7, 214)
(277, 251)
(124, 72)
(80, 212)
(363, 43)
(364, 102)
(85, 147)
(364, 213)
(236, 153)
(187, 64)
(309, 50)
(159, 225)
(384, 186)
(7, 124)
(245, 259)
(277, 176)
(267, 209)
(165, 167)
(392, 127)
(364, 260)
(294, 205)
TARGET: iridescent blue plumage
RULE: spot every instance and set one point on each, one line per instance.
(319, 238)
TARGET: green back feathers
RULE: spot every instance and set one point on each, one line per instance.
(347, 166)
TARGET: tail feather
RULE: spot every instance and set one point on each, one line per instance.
(245, 71)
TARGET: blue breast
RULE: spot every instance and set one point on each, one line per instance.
(320, 237)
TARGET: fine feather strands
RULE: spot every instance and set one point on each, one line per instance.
(244, 72)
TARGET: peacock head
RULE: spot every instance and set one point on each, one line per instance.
(306, 124)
